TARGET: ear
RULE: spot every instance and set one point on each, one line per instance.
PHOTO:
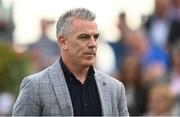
(62, 42)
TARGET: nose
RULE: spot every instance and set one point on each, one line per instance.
(93, 42)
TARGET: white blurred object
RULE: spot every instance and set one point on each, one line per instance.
(6, 103)
(27, 13)
(105, 60)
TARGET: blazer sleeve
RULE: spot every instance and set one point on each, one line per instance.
(122, 105)
(27, 103)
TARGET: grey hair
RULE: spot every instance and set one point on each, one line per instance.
(65, 20)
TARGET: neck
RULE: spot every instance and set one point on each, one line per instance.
(79, 71)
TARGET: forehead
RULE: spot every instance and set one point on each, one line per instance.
(79, 25)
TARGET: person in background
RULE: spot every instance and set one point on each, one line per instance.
(132, 78)
(163, 26)
(119, 47)
(158, 24)
(149, 54)
(162, 101)
(174, 9)
(173, 76)
(45, 51)
(174, 14)
(72, 86)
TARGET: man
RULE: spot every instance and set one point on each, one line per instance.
(71, 86)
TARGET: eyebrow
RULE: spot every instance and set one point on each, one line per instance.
(85, 34)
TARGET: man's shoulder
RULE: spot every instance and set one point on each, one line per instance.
(39, 77)
(108, 79)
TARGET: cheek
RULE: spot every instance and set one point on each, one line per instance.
(77, 50)
(81, 48)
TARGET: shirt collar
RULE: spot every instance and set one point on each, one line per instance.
(70, 76)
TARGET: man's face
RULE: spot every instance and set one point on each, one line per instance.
(81, 44)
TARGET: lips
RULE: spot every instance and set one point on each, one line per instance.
(90, 53)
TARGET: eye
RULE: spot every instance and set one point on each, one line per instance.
(84, 36)
(96, 36)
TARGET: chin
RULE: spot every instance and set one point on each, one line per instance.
(88, 62)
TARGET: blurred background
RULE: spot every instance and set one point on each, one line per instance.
(139, 46)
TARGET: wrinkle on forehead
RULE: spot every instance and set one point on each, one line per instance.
(84, 25)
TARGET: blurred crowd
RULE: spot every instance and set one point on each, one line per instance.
(147, 60)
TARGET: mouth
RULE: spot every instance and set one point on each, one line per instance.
(90, 54)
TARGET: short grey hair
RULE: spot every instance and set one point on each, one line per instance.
(65, 20)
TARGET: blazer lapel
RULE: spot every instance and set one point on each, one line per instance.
(104, 94)
(61, 90)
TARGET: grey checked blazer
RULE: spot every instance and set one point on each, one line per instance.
(46, 93)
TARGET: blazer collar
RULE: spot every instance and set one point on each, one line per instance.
(61, 90)
(104, 94)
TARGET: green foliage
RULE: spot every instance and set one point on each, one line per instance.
(13, 67)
